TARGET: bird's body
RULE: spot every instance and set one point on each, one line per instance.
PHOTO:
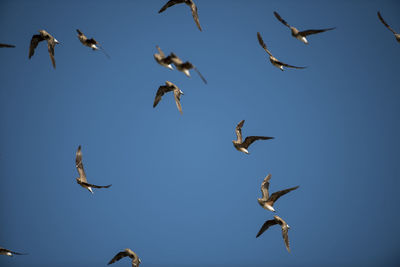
(273, 59)
(396, 35)
(184, 67)
(51, 43)
(190, 3)
(86, 41)
(285, 227)
(162, 59)
(127, 253)
(169, 87)
(7, 252)
(241, 145)
(267, 201)
(81, 180)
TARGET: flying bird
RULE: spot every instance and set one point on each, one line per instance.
(190, 3)
(267, 201)
(397, 35)
(127, 253)
(168, 87)
(7, 45)
(4, 251)
(274, 60)
(162, 59)
(51, 43)
(300, 35)
(285, 227)
(184, 66)
(92, 43)
(241, 145)
(81, 180)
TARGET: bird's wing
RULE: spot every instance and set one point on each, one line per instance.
(265, 187)
(79, 32)
(265, 226)
(117, 257)
(290, 66)
(275, 196)
(261, 41)
(201, 76)
(50, 46)
(281, 19)
(177, 97)
(309, 32)
(170, 3)
(79, 165)
(96, 186)
(160, 51)
(286, 237)
(384, 23)
(6, 45)
(34, 43)
(250, 139)
(238, 131)
(92, 41)
(175, 59)
(160, 92)
(193, 7)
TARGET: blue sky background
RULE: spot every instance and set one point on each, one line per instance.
(181, 194)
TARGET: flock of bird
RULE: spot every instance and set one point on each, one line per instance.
(267, 201)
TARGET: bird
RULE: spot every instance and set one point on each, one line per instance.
(183, 66)
(4, 251)
(51, 43)
(92, 43)
(127, 253)
(274, 60)
(241, 145)
(285, 227)
(397, 35)
(190, 3)
(267, 201)
(81, 180)
(162, 59)
(300, 35)
(168, 87)
(7, 45)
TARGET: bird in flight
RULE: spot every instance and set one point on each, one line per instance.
(273, 59)
(81, 180)
(162, 59)
(190, 3)
(92, 43)
(51, 43)
(7, 45)
(127, 253)
(241, 145)
(300, 35)
(267, 201)
(397, 35)
(285, 227)
(4, 251)
(168, 87)
(184, 66)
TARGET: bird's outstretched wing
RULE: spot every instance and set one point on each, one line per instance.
(309, 32)
(36, 39)
(286, 237)
(117, 257)
(50, 46)
(265, 187)
(281, 19)
(170, 3)
(238, 131)
(7, 45)
(195, 15)
(160, 92)
(160, 51)
(79, 165)
(275, 196)
(265, 226)
(177, 97)
(384, 23)
(263, 45)
(250, 139)
(96, 186)
(290, 66)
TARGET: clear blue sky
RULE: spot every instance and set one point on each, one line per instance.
(181, 194)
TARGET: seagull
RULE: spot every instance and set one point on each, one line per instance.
(4, 251)
(267, 201)
(397, 35)
(168, 87)
(274, 60)
(127, 253)
(51, 43)
(298, 34)
(184, 66)
(162, 59)
(7, 45)
(282, 223)
(81, 180)
(241, 145)
(92, 43)
(190, 3)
